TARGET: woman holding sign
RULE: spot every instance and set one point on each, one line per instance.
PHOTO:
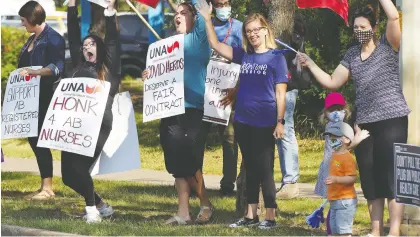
(260, 107)
(96, 59)
(45, 47)
(180, 135)
(373, 65)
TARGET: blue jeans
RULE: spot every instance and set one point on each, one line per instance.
(287, 146)
(342, 215)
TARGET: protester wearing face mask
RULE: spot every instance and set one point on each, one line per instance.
(335, 110)
(381, 108)
(229, 31)
(342, 176)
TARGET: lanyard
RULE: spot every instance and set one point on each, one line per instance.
(229, 30)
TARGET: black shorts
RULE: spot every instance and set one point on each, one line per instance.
(179, 138)
(375, 156)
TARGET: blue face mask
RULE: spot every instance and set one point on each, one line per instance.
(335, 143)
(223, 13)
(337, 116)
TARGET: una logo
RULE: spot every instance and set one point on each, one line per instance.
(163, 50)
(29, 77)
(17, 78)
(81, 87)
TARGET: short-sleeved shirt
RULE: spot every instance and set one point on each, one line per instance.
(342, 165)
(256, 98)
(379, 94)
(234, 28)
(196, 56)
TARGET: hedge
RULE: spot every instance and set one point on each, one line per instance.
(12, 41)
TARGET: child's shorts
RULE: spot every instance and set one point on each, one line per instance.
(342, 215)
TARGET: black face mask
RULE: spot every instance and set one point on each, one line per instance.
(363, 36)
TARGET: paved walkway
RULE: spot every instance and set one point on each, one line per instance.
(140, 175)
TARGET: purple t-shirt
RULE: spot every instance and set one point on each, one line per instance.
(256, 98)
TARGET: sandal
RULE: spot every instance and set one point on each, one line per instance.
(29, 196)
(178, 220)
(43, 195)
(201, 219)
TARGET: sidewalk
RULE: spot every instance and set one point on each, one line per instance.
(140, 175)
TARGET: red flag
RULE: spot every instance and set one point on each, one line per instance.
(151, 3)
(341, 7)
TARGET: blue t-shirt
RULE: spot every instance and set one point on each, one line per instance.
(196, 56)
(235, 36)
(256, 99)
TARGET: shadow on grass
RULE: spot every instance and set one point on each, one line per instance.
(308, 178)
(13, 176)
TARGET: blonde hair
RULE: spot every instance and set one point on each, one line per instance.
(269, 39)
(324, 115)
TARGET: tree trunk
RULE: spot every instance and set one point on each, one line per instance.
(280, 16)
(241, 191)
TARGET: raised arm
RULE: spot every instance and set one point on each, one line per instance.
(112, 39)
(393, 30)
(333, 82)
(224, 50)
(73, 29)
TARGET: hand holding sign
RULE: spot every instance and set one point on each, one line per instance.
(27, 72)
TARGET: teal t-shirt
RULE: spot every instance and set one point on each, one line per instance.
(196, 57)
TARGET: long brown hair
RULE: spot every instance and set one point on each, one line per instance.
(103, 61)
(269, 39)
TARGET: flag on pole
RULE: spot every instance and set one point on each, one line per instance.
(341, 7)
(151, 3)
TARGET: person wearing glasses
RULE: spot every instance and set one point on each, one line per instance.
(260, 105)
(180, 135)
(228, 31)
(97, 59)
(381, 108)
(45, 47)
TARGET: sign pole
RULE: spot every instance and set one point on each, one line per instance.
(411, 85)
(142, 19)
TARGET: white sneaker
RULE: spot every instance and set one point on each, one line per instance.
(106, 210)
(92, 215)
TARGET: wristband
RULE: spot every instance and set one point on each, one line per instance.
(282, 121)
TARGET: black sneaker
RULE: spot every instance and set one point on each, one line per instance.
(267, 225)
(245, 222)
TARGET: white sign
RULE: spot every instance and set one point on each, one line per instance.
(221, 74)
(121, 150)
(75, 114)
(19, 117)
(101, 3)
(164, 87)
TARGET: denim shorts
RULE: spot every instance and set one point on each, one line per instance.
(342, 215)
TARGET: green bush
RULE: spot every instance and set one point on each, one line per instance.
(12, 40)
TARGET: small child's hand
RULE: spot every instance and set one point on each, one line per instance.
(331, 180)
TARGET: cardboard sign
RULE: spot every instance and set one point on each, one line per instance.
(101, 3)
(407, 174)
(19, 117)
(121, 150)
(75, 114)
(221, 74)
(164, 87)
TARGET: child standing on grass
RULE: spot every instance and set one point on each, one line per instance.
(342, 176)
(335, 110)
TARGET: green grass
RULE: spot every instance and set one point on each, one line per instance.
(310, 151)
(142, 209)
